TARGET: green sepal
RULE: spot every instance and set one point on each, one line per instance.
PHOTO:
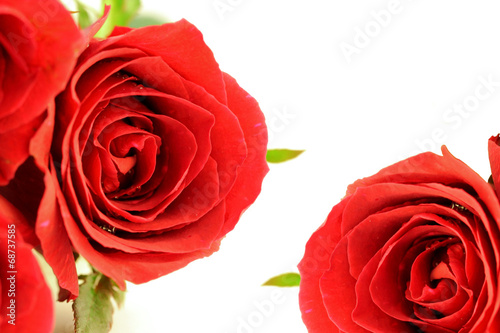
(121, 14)
(84, 16)
(93, 308)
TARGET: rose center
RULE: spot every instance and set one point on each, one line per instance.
(437, 279)
(127, 150)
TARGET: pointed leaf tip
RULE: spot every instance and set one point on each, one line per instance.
(282, 155)
(284, 280)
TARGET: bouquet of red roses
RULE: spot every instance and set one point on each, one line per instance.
(128, 152)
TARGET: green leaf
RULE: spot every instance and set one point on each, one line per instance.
(84, 19)
(145, 20)
(93, 309)
(121, 14)
(284, 280)
(282, 155)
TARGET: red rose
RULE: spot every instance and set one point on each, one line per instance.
(39, 45)
(26, 301)
(414, 248)
(157, 153)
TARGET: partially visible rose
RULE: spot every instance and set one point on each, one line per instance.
(26, 302)
(39, 45)
(494, 156)
(413, 248)
(156, 154)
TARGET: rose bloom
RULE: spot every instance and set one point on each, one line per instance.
(156, 154)
(39, 45)
(26, 302)
(413, 248)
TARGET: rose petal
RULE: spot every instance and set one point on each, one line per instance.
(35, 312)
(317, 260)
(253, 170)
(195, 236)
(338, 290)
(121, 266)
(194, 202)
(49, 227)
(227, 137)
(366, 313)
(181, 46)
(494, 156)
(380, 227)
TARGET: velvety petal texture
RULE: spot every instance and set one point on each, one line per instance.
(494, 155)
(156, 154)
(413, 248)
(39, 45)
(26, 300)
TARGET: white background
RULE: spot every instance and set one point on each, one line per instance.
(352, 118)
